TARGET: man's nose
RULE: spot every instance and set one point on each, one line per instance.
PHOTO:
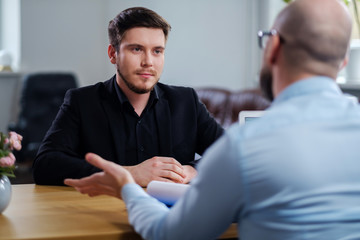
(147, 60)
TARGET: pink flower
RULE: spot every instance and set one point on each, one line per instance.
(7, 161)
(15, 141)
(7, 158)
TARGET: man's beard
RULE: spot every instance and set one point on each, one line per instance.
(266, 80)
(134, 88)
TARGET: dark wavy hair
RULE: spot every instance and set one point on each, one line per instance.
(135, 17)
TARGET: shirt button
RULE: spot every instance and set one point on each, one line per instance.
(141, 148)
(139, 122)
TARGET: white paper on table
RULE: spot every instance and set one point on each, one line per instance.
(166, 192)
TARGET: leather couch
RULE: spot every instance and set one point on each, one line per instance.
(225, 105)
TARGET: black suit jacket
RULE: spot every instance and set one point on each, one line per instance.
(90, 120)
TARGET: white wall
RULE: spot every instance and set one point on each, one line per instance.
(213, 42)
(209, 41)
(10, 30)
(1, 22)
(64, 35)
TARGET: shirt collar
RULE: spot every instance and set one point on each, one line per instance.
(308, 86)
(154, 95)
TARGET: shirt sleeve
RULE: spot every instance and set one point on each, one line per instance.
(205, 211)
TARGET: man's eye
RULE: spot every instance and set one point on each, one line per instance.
(158, 51)
(136, 49)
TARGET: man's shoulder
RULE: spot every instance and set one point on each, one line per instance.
(174, 91)
(96, 88)
(89, 95)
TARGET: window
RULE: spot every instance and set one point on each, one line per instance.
(356, 26)
(1, 21)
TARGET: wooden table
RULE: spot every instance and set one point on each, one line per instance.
(52, 212)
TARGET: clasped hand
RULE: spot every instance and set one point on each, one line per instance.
(161, 169)
(114, 176)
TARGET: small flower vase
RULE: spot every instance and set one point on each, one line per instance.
(5, 192)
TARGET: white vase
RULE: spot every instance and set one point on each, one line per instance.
(5, 192)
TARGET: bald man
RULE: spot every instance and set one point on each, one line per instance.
(292, 174)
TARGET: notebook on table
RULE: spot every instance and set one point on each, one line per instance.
(248, 116)
(166, 192)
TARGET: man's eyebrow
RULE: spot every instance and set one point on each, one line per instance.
(133, 45)
(139, 45)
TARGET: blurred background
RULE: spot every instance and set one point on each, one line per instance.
(213, 43)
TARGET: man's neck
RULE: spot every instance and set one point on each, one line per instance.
(283, 79)
(287, 74)
(137, 101)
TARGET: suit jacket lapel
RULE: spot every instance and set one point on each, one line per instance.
(113, 110)
(163, 120)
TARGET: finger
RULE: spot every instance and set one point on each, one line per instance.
(96, 190)
(109, 167)
(98, 193)
(79, 182)
(98, 161)
(100, 189)
(172, 176)
(72, 182)
(175, 168)
(169, 160)
(163, 179)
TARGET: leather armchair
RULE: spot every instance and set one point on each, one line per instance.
(225, 105)
(42, 95)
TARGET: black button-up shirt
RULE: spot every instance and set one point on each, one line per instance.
(141, 132)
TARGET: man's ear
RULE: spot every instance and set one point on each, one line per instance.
(112, 54)
(344, 62)
(273, 49)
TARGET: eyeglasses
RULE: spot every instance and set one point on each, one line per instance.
(263, 37)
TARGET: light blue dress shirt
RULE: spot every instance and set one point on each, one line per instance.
(292, 174)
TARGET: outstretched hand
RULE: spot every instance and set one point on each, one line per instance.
(109, 182)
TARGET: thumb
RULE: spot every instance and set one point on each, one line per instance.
(97, 161)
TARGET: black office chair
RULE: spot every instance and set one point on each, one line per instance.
(42, 95)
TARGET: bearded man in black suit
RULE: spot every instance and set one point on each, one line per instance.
(152, 129)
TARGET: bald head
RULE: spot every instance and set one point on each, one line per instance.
(316, 34)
